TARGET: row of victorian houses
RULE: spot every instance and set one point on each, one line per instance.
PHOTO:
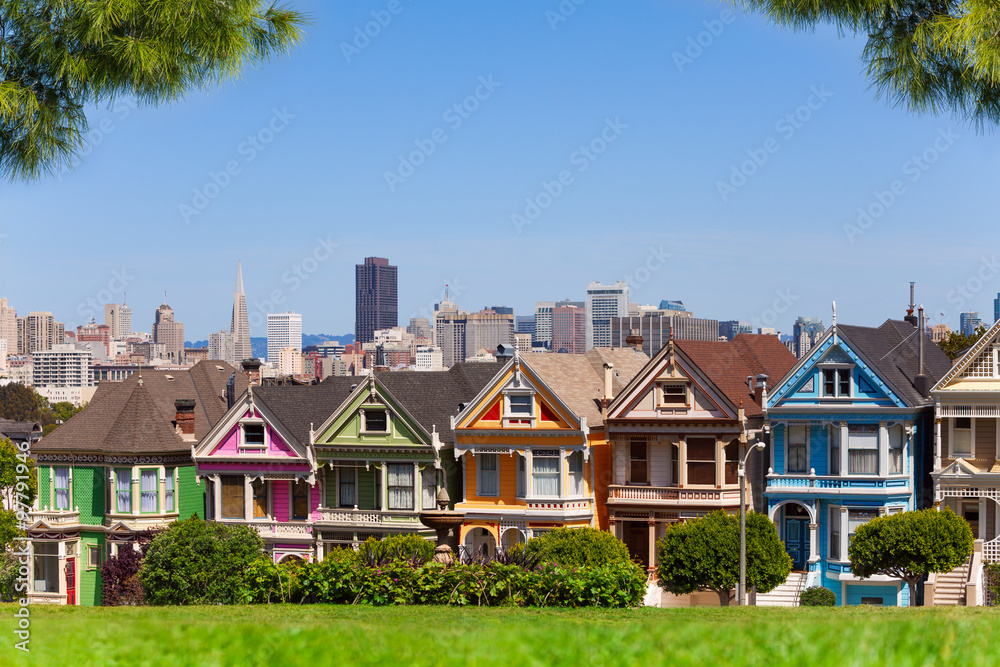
(874, 420)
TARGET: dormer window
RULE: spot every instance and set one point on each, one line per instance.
(253, 435)
(836, 382)
(519, 408)
(376, 421)
(520, 405)
(674, 395)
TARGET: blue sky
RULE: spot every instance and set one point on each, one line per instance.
(686, 101)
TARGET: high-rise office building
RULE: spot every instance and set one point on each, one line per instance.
(656, 328)
(603, 303)
(487, 329)
(38, 331)
(730, 329)
(168, 332)
(118, 318)
(283, 330)
(543, 322)
(569, 329)
(968, 322)
(420, 327)
(8, 326)
(449, 332)
(240, 325)
(221, 348)
(806, 332)
(525, 324)
(376, 303)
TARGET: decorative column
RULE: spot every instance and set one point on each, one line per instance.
(384, 485)
(720, 463)
(844, 528)
(937, 439)
(652, 543)
(682, 459)
(417, 487)
(247, 499)
(883, 449)
(814, 540)
(217, 497)
(844, 450)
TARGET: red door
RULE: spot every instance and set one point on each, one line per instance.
(70, 581)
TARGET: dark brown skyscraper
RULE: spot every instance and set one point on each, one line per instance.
(376, 304)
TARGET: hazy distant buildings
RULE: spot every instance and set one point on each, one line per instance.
(118, 318)
(487, 329)
(525, 324)
(730, 329)
(604, 302)
(239, 327)
(449, 333)
(290, 360)
(420, 327)
(996, 308)
(38, 331)
(968, 322)
(62, 373)
(221, 348)
(283, 330)
(806, 332)
(543, 322)
(939, 332)
(429, 358)
(655, 330)
(168, 332)
(569, 329)
(376, 302)
(8, 326)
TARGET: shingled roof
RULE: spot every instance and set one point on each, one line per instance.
(893, 350)
(431, 397)
(728, 364)
(138, 417)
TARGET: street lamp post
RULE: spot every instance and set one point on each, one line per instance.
(741, 472)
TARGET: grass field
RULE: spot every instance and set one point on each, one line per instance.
(318, 635)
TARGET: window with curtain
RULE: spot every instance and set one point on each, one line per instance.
(428, 487)
(576, 474)
(259, 488)
(400, 486)
(961, 444)
(701, 461)
(123, 484)
(148, 492)
(797, 460)
(675, 453)
(834, 450)
(168, 491)
(862, 450)
(232, 497)
(638, 462)
(545, 472)
(522, 475)
(834, 549)
(488, 483)
(60, 483)
(732, 453)
(896, 439)
(300, 500)
(346, 493)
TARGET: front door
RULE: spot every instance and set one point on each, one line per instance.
(71, 581)
(637, 541)
(797, 541)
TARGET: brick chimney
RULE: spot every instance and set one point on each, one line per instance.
(184, 418)
(634, 340)
(252, 368)
(760, 385)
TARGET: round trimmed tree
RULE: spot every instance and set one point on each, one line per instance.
(577, 547)
(910, 545)
(704, 555)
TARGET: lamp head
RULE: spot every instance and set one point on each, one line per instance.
(760, 445)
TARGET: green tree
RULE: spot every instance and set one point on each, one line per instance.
(21, 403)
(577, 547)
(704, 555)
(59, 56)
(194, 562)
(928, 56)
(955, 343)
(910, 545)
(18, 488)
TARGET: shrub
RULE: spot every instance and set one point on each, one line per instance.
(9, 566)
(576, 547)
(817, 596)
(411, 549)
(194, 562)
(120, 585)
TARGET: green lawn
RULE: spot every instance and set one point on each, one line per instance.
(317, 635)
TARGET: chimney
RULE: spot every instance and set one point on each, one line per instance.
(909, 311)
(184, 418)
(634, 340)
(252, 369)
(921, 383)
(759, 387)
(609, 375)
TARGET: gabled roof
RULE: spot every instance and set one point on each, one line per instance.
(129, 417)
(20, 430)
(969, 355)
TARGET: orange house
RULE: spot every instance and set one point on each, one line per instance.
(532, 446)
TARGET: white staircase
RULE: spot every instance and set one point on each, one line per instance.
(785, 595)
(949, 587)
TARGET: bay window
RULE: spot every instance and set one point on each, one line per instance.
(834, 450)
(400, 479)
(61, 485)
(796, 451)
(428, 487)
(46, 566)
(732, 452)
(856, 519)
(862, 449)
(149, 494)
(488, 475)
(168, 491)
(123, 484)
(576, 474)
(545, 472)
(701, 461)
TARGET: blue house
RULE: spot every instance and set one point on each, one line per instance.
(851, 432)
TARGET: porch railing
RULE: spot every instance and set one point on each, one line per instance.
(670, 494)
(775, 481)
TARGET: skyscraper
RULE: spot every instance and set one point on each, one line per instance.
(449, 332)
(968, 322)
(376, 303)
(283, 330)
(118, 318)
(220, 347)
(996, 308)
(487, 329)
(543, 322)
(806, 331)
(240, 326)
(603, 303)
(38, 331)
(569, 329)
(168, 332)
(8, 326)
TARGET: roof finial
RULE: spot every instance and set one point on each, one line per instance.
(834, 314)
(140, 373)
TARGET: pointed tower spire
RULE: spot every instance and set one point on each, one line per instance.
(240, 324)
(239, 276)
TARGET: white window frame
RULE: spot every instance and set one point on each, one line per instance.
(878, 454)
(91, 564)
(479, 476)
(364, 421)
(836, 368)
(951, 439)
(559, 476)
(902, 449)
(833, 431)
(835, 511)
(171, 474)
(253, 447)
(69, 488)
(131, 496)
(577, 480)
(522, 475)
(661, 396)
(508, 414)
(788, 441)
